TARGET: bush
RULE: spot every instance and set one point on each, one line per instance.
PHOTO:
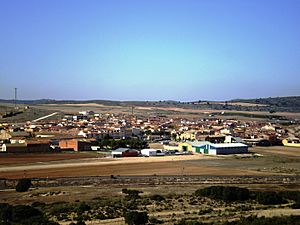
(269, 198)
(188, 222)
(296, 205)
(253, 220)
(131, 193)
(136, 218)
(157, 198)
(23, 185)
(227, 194)
(291, 195)
(154, 220)
(83, 207)
(22, 214)
(5, 212)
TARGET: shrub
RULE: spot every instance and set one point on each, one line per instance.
(296, 205)
(5, 212)
(269, 198)
(188, 222)
(131, 193)
(253, 220)
(136, 218)
(23, 185)
(227, 194)
(154, 220)
(157, 198)
(22, 214)
(82, 207)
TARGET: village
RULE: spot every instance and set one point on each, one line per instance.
(129, 135)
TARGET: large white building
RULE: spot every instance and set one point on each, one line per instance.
(221, 149)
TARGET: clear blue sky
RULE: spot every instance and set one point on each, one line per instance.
(149, 49)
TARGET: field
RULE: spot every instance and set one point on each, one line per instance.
(262, 162)
(29, 114)
(172, 110)
(22, 159)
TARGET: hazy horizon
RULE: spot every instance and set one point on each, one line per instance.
(149, 50)
(146, 100)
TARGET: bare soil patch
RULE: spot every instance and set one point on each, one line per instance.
(21, 159)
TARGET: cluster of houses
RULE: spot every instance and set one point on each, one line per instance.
(82, 132)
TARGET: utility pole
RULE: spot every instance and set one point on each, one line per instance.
(16, 89)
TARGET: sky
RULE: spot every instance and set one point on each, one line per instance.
(182, 50)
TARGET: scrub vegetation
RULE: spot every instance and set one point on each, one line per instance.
(218, 205)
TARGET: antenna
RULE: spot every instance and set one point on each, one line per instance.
(16, 89)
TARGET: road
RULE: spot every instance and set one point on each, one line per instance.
(45, 117)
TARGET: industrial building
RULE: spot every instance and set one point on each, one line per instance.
(221, 149)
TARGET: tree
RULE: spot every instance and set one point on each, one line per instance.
(23, 185)
(136, 218)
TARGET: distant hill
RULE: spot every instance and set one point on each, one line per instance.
(292, 101)
(277, 104)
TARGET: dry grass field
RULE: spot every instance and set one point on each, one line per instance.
(169, 111)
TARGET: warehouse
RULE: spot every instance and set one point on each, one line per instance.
(221, 149)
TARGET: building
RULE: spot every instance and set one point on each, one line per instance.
(291, 142)
(170, 147)
(124, 152)
(188, 135)
(76, 144)
(148, 152)
(231, 139)
(4, 135)
(220, 149)
(34, 147)
(215, 138)
(185, 146)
